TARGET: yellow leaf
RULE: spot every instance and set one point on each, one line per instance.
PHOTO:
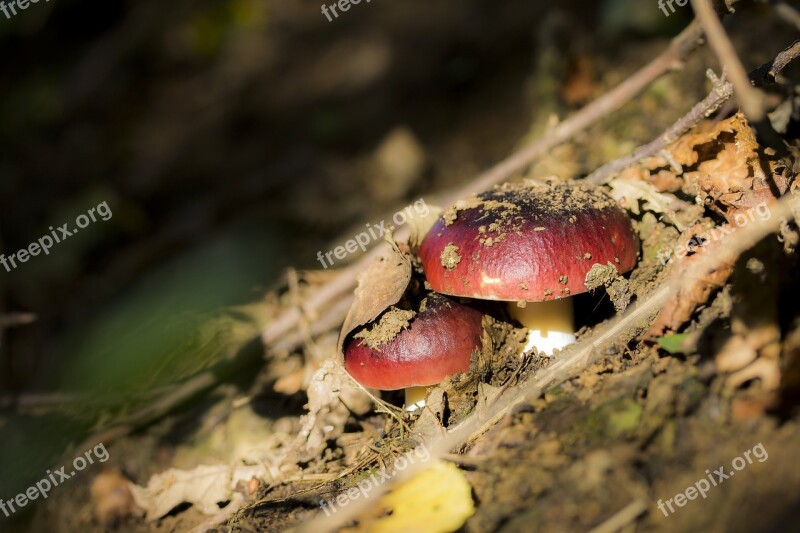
(437, 500)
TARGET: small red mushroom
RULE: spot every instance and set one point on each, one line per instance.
(529, 242)
(436, 343)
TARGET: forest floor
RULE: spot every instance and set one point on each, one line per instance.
(711, 380)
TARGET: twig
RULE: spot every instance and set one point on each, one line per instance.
(768, 73)
(680, 46)
(720, 94)
(750, 99)
(183, 392)
(380, 404)
(463, 460)
(12, 320)
(331, 319)
(573, 359)
(35, 400)
(622, 518)
(787, 13)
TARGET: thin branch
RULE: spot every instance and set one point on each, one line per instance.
(787, 13)
(769, 72)
(622, 518)
(41, 400)
(750, 99)
(720, 94)
(12, 320)
(611, 101)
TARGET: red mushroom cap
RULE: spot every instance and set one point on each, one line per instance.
(437, 343)
(531, 241)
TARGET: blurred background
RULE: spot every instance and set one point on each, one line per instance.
(233, 139)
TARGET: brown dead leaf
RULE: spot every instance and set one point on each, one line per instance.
(628, 193)
(693, 292)
(112, 498)
(722, 165)
(420, 225)
(205, 486)
(380, 286)
(332, 395)
(396, 166)
(579, 85)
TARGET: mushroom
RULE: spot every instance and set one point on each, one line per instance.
(402, 351)
(525, 242)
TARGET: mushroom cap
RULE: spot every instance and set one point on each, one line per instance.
(438, 342)
(531, 241)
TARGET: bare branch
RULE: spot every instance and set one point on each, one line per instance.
(720, 94)
(750, 99)
(787, 13)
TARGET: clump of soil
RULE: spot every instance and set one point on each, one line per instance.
(617, 287)
(390, 324)
(450, 256)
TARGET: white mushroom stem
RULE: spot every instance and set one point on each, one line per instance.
(550, 324)
(415, 398)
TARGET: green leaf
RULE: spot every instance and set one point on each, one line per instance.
(673, 343)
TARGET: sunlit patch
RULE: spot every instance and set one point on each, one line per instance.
(486, 280)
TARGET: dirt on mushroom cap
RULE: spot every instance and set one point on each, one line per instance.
(507, 201)
(450, 257)
(391, 323)
(532, 240)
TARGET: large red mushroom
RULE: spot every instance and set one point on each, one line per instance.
(532, 244)
(401, 351)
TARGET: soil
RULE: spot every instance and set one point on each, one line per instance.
(386, 328)
(450, 257)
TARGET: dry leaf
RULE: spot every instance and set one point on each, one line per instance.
(421, 225)
(332, 395)
(112, 498)
(205, 486)
(629, 192)
(380, 286)
(730, 172)
(579, 86)
(693, 292)
(396, 166)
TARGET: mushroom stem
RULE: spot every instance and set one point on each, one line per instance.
(415, 398)
(550, 324)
